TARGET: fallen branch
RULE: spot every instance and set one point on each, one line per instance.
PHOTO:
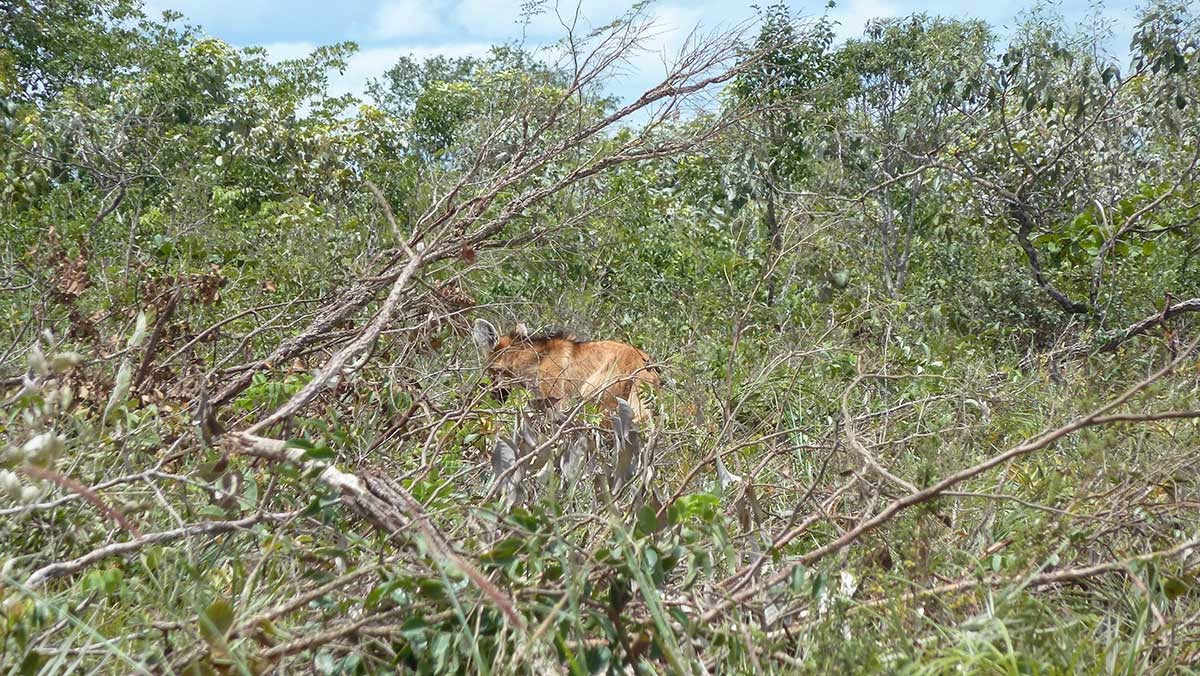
(164, 316)
(82, 491)
(1138, 328)
(337, 364)
(330, 635)
(302, 599)
(380, 502)
(354, 299)
(852, 438)
(61, 568)
(1099, 416)
(1183, 550)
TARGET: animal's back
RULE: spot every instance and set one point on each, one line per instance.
(561, 367)
(613, 369)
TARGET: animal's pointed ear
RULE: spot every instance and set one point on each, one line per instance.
(485, 335)
(521, 331)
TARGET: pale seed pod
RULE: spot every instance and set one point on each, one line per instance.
(120, 389)
(37, 361)
(50, 401)
(10, 484)
(65, 361)
(139, 331)
(42, 449)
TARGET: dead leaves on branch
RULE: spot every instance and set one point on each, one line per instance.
(71, 278)
(206, 287)
(68, 270)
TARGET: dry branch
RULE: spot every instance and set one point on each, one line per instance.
(1099, 416)
(379, 501)
(1020, 214)
(164, 316)
(354, 299)
(82, 491)
(61, 568)
(1138, 328)
(337, 364)
(1183, 550)
(852, 438)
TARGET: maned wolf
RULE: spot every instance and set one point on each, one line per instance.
(558, 367)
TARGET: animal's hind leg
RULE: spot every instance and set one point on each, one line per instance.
(641, 412)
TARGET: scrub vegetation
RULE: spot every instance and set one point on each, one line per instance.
(922, 303)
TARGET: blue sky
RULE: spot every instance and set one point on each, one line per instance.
(387, 29)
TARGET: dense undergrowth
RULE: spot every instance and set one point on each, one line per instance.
(922, 301)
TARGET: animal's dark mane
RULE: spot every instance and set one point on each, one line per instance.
(549, 335)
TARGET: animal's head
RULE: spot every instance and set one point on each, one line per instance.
(507, 358)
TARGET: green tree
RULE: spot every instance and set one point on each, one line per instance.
(48, 45)
(787, 87)
(911, 85)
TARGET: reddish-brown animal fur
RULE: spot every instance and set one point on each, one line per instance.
(559, 367)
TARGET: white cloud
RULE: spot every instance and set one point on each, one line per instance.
(407, 19)
(670, 27)
(284, 51)
(373, 62)
(505, 19)
(853, 16)
(468, 27)
(497, 18)
(209, 13)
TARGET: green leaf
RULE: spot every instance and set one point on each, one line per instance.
(324, 662)
(379, 592)
(439, 648)
(216, 621)
(106, 581)
(250, 495)
(700, 505)
(647, 522)
(503, 551)
(799, 574)
(212, 511)
(1175, 587)
(819, 583)
(33, 662)
(311, 451)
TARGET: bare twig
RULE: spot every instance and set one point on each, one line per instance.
(82, 491)
(385, 505)
(61, 568)
(1097, 417)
